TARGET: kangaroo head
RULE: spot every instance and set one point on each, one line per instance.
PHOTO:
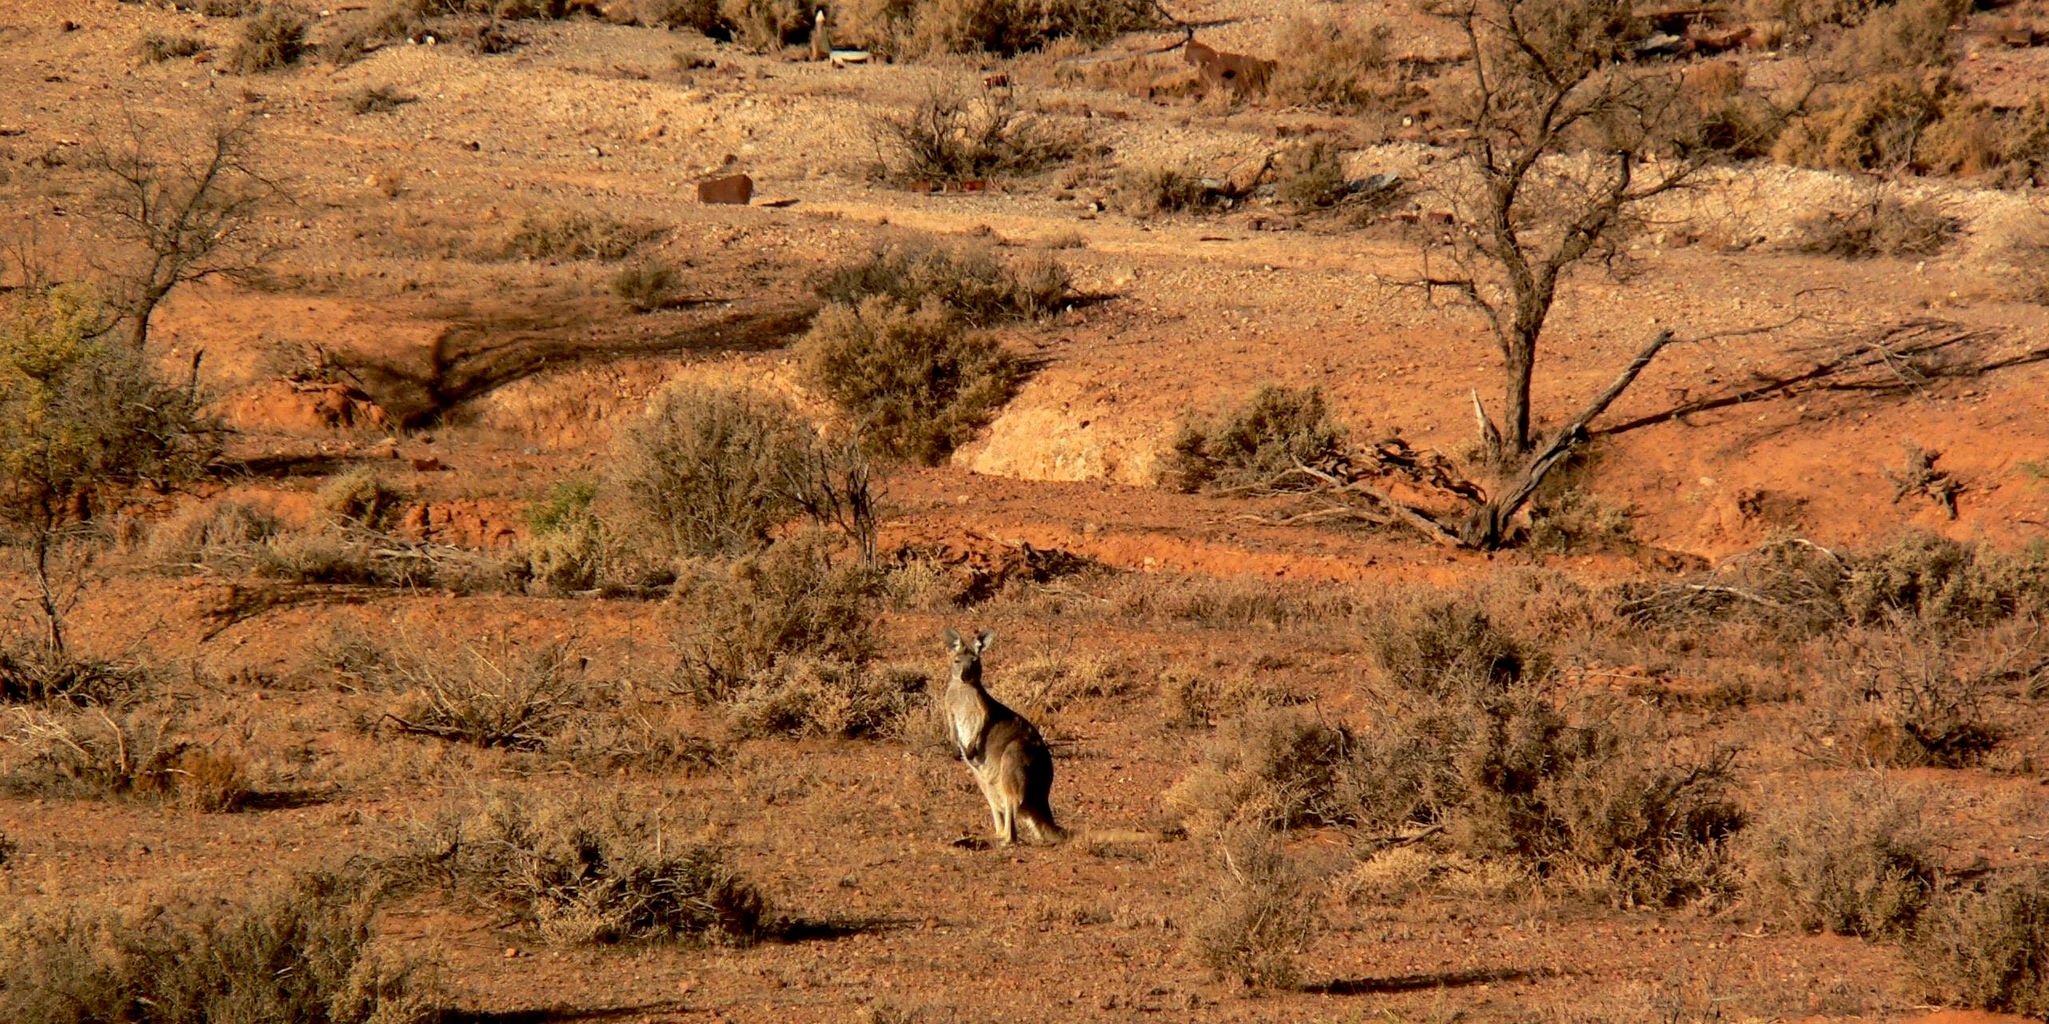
(967, 655)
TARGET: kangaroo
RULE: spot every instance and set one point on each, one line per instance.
(1006, 752)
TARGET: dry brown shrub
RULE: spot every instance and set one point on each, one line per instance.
(490, 695)
(908, 28)
(1310, 176)
(1853, 861)
(274, 38)
(969, 280)
(127, 755)
(954, 134)
(834, 699)
(1259, 916)
(1150, 191)
(647, 286)
(303, 954)
(156, 47)
(574, 235)
(362, 497)
(706, 472)
(378, 99)
(1276, 770)
(1989, 946)
(582, 872)
(916, 383)
(736, 625)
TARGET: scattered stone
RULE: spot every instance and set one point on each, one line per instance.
(732, 190)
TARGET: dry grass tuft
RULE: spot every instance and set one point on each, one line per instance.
(1335, 64)
(486, 696)
(131, 755)
(1885, 226)
(156, 47)
(737, 625)
(574, 235)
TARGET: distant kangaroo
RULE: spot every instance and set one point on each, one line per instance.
(1006, 752)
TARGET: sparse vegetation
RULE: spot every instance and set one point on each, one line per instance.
(379, 99)
(361, 497)
(121, 755)
(580, 873)
(1005, 27)
(1150, 191)
(916, 383)
(574, 235)
(717, 472)
(1310, 176)
(954, 136)
(1333, 64)
(1261, 917)
(1885, 226)
(1274, 431)
(1276, 770)
(302, 954)
(971, 282)
(485, 695)
(271, 39)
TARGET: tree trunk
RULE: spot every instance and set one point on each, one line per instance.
(1521, 367)
(145, 307)
(53, 617)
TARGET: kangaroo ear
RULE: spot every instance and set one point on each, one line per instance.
(984, 639)
(953, 640)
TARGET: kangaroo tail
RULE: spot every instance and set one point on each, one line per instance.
(1041, 817)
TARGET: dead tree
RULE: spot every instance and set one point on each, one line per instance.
(178, 216)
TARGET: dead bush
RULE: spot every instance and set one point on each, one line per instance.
(1199, 698)
(834, 699)
(1853, 861)
(916, 383)
(219, 535)
(302, 954)
(970, 281)
(1150, 191)
(1260, 914)
(7, 848)
(701, 15)
(574, 235)
(796, 599)
(1273, 432)
(1572, 519)
(636, 735)
(126, 755)
(1884, 226)
(37, 675)
(379, 99)
(2026, 251)
(156, 47)
(953, 135)
(581, 872)
(271, 39)
(353, 555)
(1334, 64)
(1988, 946)
(1311, 176)
(647, 286)
(492, 695)
(1906, 703)
(1277, 770)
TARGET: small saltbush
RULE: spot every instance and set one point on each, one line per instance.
(953, 135)
(706, 471)
(1333, 64)
(737, 625)
(646, 287)
(1259, 914)
(574, 235)
(1989, 947)
(916, 383)
(970, 281)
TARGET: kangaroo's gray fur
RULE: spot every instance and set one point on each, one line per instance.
(1006, 752)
